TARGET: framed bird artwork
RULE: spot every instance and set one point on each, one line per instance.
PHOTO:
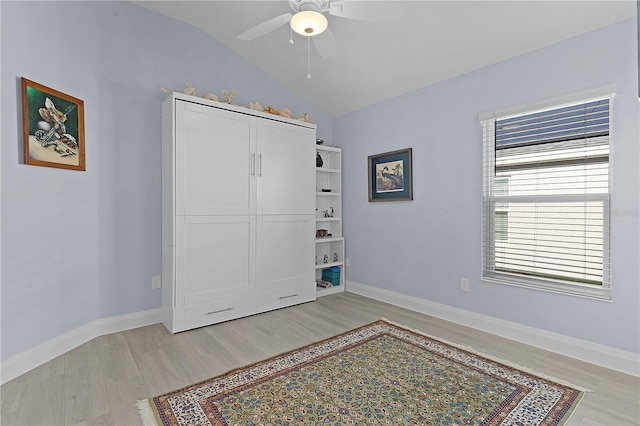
(391, 176)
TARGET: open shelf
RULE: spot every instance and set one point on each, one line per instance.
(328, 240)
(328, 265)
(331, 290)
(329, 176)
(326, 170)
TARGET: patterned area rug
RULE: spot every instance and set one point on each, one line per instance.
(382, 373)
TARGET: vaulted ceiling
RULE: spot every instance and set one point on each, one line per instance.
(428, 41)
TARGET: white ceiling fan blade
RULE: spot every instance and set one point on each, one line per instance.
(366, 10)
(265, 27)
(325, 43)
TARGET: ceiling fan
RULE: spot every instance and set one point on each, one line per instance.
(308, 19)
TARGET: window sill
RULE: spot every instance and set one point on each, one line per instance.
(575, 290)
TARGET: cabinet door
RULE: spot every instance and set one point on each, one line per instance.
(215, 160)
(285, 251)
(214, 257)
(286, 168)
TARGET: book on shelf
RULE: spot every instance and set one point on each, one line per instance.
(324, 284)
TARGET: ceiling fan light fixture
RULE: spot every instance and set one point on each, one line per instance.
(309, 23)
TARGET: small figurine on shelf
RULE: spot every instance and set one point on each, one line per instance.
(256, 106)
(325, 259)
(335, 257)
(286, 112)
(210, 96)
(229, 95)
(305, 116)
(319, 161)
(189, 89)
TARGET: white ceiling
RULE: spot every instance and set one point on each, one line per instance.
(375, 61)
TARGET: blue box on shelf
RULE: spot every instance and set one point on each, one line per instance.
(332, 275)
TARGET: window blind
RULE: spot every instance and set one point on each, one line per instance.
(546, 199)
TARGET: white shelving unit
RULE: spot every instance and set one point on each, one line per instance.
(329, 216)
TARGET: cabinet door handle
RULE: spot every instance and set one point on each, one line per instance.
(259, 165)
(217, 312)
(287, 297)
(253, 164)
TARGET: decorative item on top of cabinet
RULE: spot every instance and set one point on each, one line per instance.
(329, 240)
(229, 95)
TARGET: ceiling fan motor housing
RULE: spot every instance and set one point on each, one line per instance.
(314, 5)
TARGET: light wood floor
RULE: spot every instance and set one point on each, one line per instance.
(99, 382)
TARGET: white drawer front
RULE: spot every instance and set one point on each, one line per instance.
(285, 296)
(215, 311)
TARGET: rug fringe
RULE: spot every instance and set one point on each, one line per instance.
(490, 357)
(146, 413)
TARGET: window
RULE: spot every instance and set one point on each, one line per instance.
(546, 198)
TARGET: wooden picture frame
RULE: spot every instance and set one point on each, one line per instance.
(391, 176)
(53, 127)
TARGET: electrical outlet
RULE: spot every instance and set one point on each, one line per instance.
(464, 284)
(346, 262)
(156, 282)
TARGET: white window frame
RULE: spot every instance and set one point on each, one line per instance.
(487, 120)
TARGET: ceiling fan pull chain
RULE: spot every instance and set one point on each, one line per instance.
(308, 57)
(291, 36)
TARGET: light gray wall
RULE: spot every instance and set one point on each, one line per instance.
(79, 246)
(422, 248)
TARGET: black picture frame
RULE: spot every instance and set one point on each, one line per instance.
(391, 176)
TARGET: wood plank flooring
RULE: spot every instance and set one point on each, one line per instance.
(99, 382)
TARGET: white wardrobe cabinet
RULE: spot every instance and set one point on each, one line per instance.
(237, 212)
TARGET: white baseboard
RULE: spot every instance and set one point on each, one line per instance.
(594, 353)
(46, 351)
(605, 356)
